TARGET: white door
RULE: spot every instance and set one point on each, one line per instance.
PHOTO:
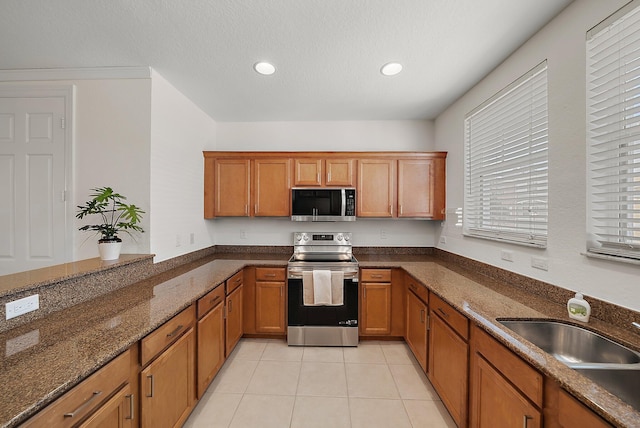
(32, 183)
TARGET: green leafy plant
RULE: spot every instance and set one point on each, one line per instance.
(116, 215)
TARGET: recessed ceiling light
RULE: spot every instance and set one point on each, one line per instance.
(264, 68)
(391, 68)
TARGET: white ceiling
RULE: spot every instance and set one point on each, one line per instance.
(328, 53)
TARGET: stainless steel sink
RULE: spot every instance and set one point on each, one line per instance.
(573, 345)
(611, 365)
(621, 382)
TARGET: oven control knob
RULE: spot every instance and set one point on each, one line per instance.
(298, 237)
(339, 237)
(347, 237)
(305, 236)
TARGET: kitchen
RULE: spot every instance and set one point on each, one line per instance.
(154, 168)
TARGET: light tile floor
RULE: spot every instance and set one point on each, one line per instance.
(267, 384)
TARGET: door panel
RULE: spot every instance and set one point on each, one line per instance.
(32, 157)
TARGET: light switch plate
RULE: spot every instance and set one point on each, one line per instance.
(22, 306)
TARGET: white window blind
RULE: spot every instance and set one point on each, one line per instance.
(506, 177)
(613, 135)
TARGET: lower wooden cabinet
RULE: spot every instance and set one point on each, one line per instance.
(270, 300)
(211, 341)
(449, 357)
(118, 412)
(375, 311)
(233, 324)
(168, 377)
(417, 326)
(505, 390)
(167, 385)
(90, 399)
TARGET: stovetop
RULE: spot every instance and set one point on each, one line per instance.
(322, 250)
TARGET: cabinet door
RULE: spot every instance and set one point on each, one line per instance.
(234, 319)
(448, 368)
(168, 385)
(376, 184)
(416, 335)
(307, 172)
(271, 188)
(376, 308)
(339, 172)
(416, 186)
(211, 346)
(495, 403)
(118, 412)
(572, 413)
(232, 187)
(270, 307)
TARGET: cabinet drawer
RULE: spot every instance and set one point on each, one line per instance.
(270, 274)
(84, 398)
(234, 282)
(375, 275)
(418, 289)
(166, 334)
(210, 300)
(524, 377)
(451, 316)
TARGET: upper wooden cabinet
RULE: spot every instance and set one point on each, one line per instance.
(271, 187)
(323, 172)
(421, 191)
(376, 186)
(232, 187)
(388, 184)
(246, 188)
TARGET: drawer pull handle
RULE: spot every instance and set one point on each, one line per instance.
(95, 395)
(174, 332)
(525, 420)
(130, 397)
(444, 314)
(212, 301)
(413, 286)
(238, 280)
(270, 275)
(150, 377)
(376, 275)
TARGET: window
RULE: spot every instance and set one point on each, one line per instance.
(613, 135)
(506, 184)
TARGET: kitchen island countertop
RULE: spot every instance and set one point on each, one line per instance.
(47, 357)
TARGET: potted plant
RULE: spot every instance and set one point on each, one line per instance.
(116, 217)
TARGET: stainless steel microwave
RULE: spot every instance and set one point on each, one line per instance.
(323, 204)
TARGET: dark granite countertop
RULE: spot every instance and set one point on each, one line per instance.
(46, 357)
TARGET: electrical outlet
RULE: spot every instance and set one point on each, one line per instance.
(443, 239)
(243, 234)
(506, 255)
(383, 234)
(540, 263)
(22, 306)
(192, 238)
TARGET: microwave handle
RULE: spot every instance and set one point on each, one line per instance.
(343, 207)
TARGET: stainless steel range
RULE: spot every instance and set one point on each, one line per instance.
(323, 290)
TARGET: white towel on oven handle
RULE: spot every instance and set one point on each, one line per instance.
(321, 287)
(337, 289)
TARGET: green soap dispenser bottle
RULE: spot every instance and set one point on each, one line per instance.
(578, 308)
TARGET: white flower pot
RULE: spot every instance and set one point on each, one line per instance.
(109, 250)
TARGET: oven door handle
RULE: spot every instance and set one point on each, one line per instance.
(347, 275)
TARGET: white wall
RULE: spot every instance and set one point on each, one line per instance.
(406, 135)
(111, 149)
(562, 42)
(180, 131)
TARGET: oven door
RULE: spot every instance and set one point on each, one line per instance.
(322, 325)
